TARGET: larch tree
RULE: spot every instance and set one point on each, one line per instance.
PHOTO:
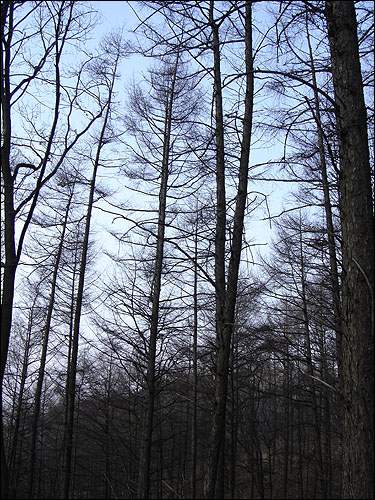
(357, 222)
(105, 68)
(42, 30)
(146, 443)
(162, 126)
(192, 375)
(226, 288)
(46, 335)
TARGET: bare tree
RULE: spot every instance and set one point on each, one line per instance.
(46, 333)
(40, 156)
(144, 467)
(357, 224)
(226, 292)
(105, 67)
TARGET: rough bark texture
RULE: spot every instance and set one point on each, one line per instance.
(358, 254)
(9, 230)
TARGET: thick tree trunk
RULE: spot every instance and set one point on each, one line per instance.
(9, 227)
(358, 254)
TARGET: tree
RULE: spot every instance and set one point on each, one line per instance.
(145, 456)
(174, 368)
(162, 125)
(226, 292)
(105, 68)
(27, 167)
(46, 332)
(357, 224)
(15, 453)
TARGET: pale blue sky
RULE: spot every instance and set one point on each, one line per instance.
(118, 14)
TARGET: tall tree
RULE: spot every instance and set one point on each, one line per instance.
(46, 29)
(226, 290)
(327, 200)
(356, 205)
(105, 67)
(146, 444)
(162, 124)
(46, 334)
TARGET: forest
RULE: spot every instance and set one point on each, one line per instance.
(187, 250)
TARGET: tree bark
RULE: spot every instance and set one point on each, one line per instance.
(9, 214)
(226, 298)
(358, 253)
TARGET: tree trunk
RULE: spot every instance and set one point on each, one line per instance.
(39, 386)
(14, 456)
(226, 299)
(9, 226)
(310, 370)
(358, 254)
(328, 210)
(194, 440)
(222, 356)
(146, 445)
(73, 358)
(72, 365)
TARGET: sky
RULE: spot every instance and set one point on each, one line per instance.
(116, 13)
(119, 15)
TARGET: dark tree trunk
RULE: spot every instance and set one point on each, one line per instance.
(328, 209)
(73, 359)
(9, 227)
(222, 346)
(358, 254)
(226, 298)
(194, 440)
(14, 458)
(146, 445)
(39, 385)
(310, 370)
